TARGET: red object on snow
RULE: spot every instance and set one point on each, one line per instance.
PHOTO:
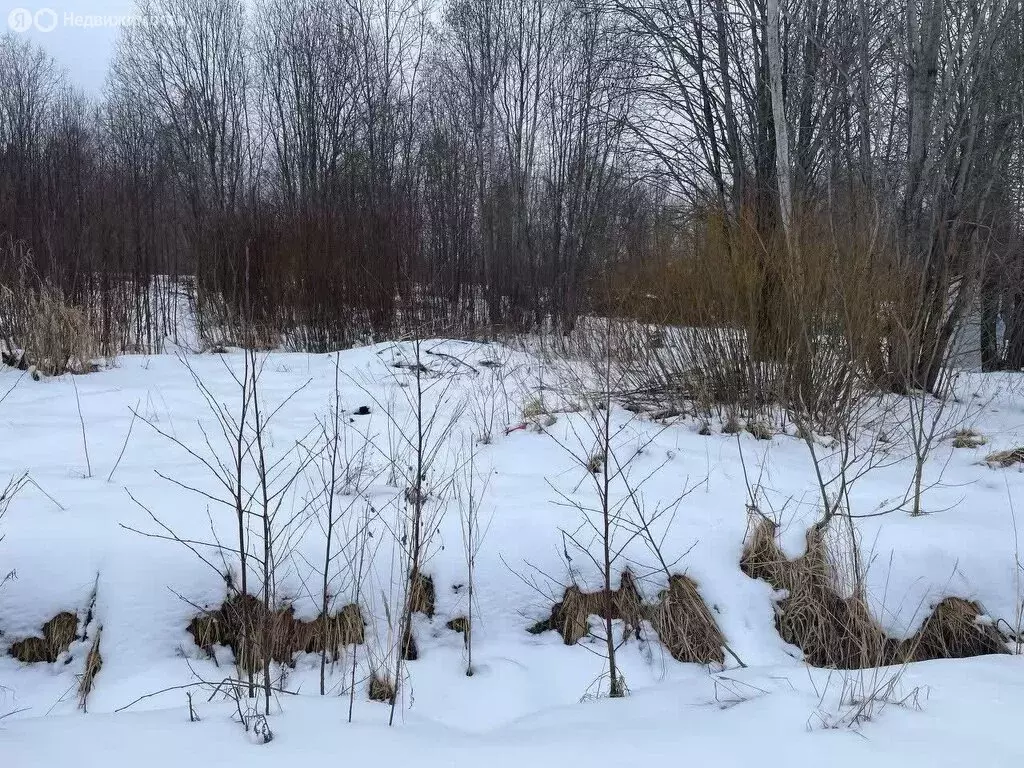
(516, 428)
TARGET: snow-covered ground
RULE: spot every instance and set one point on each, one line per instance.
(73, 538)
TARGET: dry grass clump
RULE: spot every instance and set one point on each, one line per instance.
(460, 624)
(93, 663)
(54, 335)
(762, 558)
(570, 617)
(760, 429)
(968, 438)
(732, 425)
(681, 619)
(832, 631)
(239, 624)
(954, 631)
(59, 337)
(839, 632)
(1006, 458)
(422, 596)
(685, 624)
(422, 599)
(382, 689)
(31, 650)
(346, 627)
(533, 409)
(58, 634)
(410, 650)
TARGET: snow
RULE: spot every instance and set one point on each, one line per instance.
(771, 722)
(71, 534)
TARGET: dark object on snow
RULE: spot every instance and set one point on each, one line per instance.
(840, 632)
(58, 634)
(412, 367)
(460, 624)
(381, 689)
(237, 624)
(422, 597)
(15, 360)
(362, 410)
(410, 651)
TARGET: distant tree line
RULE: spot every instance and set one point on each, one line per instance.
(322, 172)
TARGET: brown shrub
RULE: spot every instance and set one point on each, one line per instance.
(60, 338)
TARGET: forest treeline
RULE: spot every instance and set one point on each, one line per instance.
(317, 173)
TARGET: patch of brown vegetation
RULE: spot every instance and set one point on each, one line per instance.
(460, 624)
(831, 630)
(410, 651)
(31, 650)
(93, 663)
(1006, 458)
(58, 634)
(422, 596)
(839, 632)
(382, 689)
(968, 438)
(242, 623)
(732, 425)
(570, 617)
(681, 619)
(953, 631)
(685, 624)
(346, 627)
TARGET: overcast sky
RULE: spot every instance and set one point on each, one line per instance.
(81, 47)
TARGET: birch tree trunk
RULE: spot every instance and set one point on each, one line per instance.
(782, 167)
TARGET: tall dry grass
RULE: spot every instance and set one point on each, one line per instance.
(749, 323)
(40, 326)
